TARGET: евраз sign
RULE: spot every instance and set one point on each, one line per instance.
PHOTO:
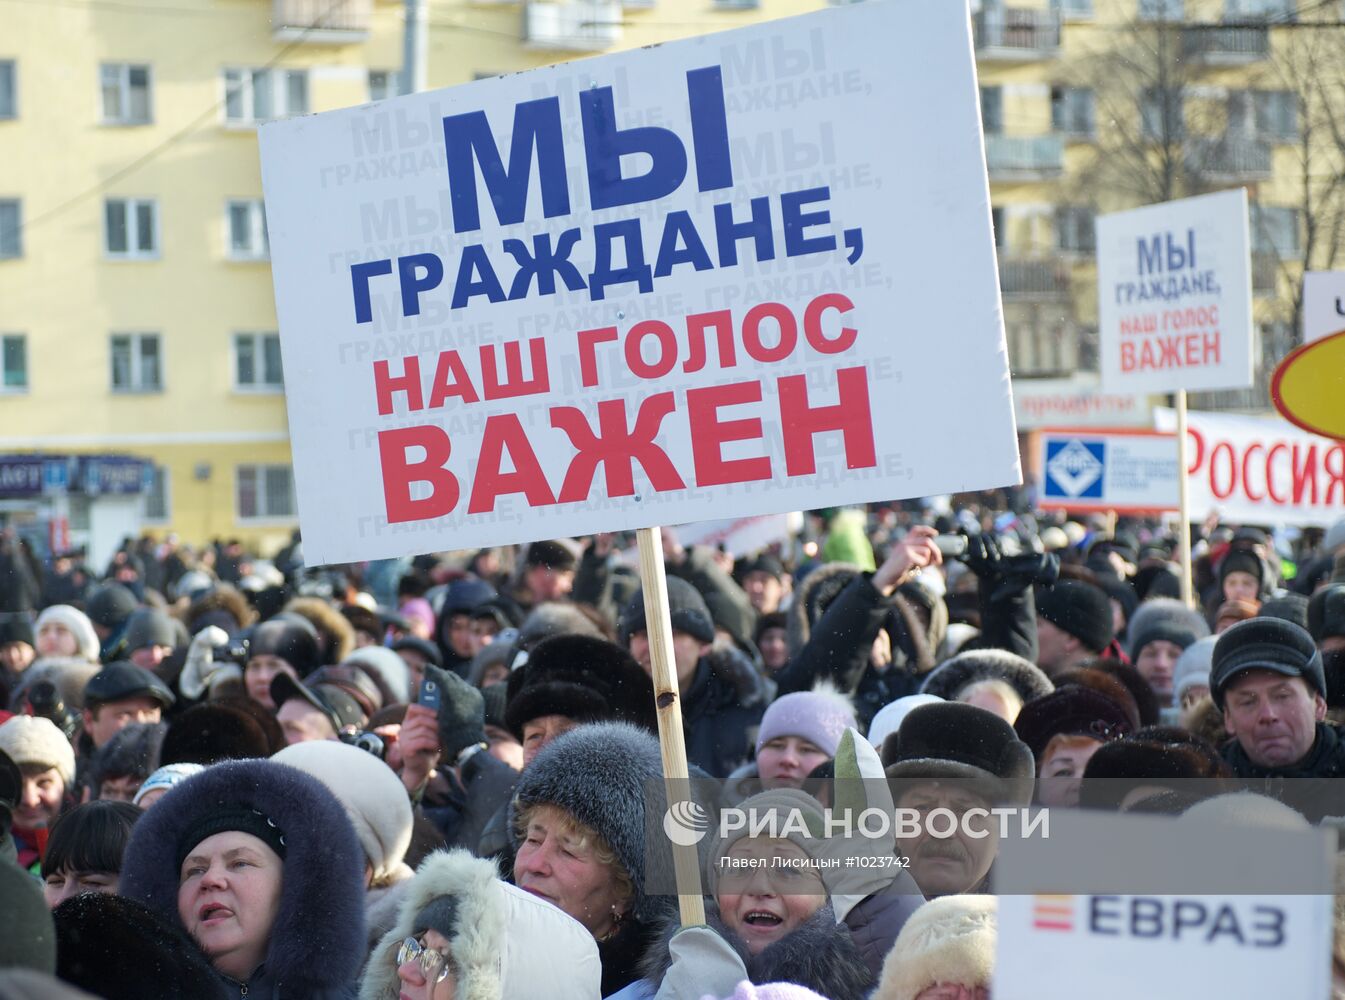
(1174, 295)
(1129, 471)
(642, 288)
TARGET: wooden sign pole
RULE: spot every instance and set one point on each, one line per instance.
(1184, 503)
(668, 701)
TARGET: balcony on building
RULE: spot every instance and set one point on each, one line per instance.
(321, 22)
(1226, 44)
(1016, 34)
(1265, 275)
(572, 25)
(1024, 157)
(1033, 279)
(1230, 158)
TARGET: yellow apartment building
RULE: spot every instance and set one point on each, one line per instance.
(142, 387)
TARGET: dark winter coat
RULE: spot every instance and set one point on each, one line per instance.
(1305, 786)
(875, 921)
(317, 943)
(818, 954)
(462, 806)
(722, 710)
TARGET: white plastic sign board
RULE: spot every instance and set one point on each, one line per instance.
(1118, 943)
(1323, 304)
(1174, 295)
(1260, 470)
(644, 289)
(1078, 401)
(1128, 471)
(742, 536)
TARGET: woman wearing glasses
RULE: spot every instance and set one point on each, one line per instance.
(462, 934)
(259, 864)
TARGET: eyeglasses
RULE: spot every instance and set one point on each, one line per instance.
(433, 963)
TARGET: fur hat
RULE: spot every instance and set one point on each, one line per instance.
(79, 625)
(1142, 759)
(554, 618)
(388, 671)
(317, 941)
(32, 741)
(1326, 612)
(1235, 611)
(890, 717)
(1265, 644)
(1291, 607)
(554, 554)
(820, 716)
(206, 734)
(583, 678)
(292, 642)
(27, 938)
(132, 751)
(962, 742)
(948, 940)
(955, 675)
(1193, 667)
(122, 950)
(110, 604)
(1071, 710)
(336, 636)
(224, 606)
(600, 774)
(686, 608)
(1164, 618)
(506, 943)
(372, 794)
(1081, 609)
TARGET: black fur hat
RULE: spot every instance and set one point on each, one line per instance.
(205, 734)
(122, 950)
(959, 672)
(1326, 612)
(583, 678)
(955, 741)
(318, 940)
(1072, 710)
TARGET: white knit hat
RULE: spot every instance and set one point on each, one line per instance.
(369, 791)
(888, 718)
(79, 625)
(947, 940)
(31, 741)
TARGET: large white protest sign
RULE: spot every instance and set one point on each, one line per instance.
(1122, 470)
(1323, 304)
(739, 274)
(741, 536)
(1261, 470)
(1114, 907)
(1174, 295)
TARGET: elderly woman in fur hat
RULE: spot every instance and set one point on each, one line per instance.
(462, 934)
(258, 863)
(946, 951)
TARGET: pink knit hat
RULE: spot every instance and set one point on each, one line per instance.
(771, 991)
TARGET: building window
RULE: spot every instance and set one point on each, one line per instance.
(1074, 231)
(137, 362)
(1073, 10)
(997, 226)
(1072, 111)
(1161, 113)
(384, 83)
(1162, 10)
(260, 95)
(14, 349)
(9, 89)
(1263, 114)
(248, 239)
(265, 491)
(1274, 230)
(132, 227)
(1261, 10)
(257, 362)
(126, 94)
(11, 228)
(158, 497)
(992, 110)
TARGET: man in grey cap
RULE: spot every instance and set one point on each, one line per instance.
(1266, 676)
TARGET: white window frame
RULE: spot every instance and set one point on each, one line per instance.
(18, 228)
(13, 65)
(15, 390)
(138, 339)
(259, 243)
(132, 251)
(264, 515)
(258, 340)
(162, 476)
(123, 116)
(280, 94)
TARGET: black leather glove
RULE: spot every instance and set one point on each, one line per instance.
(1008, 575)
(462, 713)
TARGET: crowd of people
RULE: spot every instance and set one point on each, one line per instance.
(428, 778)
